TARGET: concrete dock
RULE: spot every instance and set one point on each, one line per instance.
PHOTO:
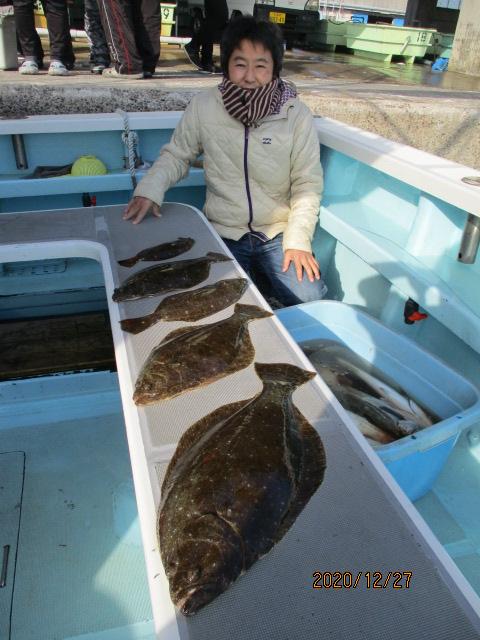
(436, 112)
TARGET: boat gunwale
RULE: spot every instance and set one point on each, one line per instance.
(439, 177)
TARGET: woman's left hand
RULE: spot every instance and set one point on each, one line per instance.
(303, 260)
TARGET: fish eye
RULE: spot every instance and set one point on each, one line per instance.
(194, 573)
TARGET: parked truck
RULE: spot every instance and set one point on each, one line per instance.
(290, 15)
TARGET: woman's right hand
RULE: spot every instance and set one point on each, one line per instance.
(138, 207)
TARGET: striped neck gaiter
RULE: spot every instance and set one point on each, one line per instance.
(250, 105)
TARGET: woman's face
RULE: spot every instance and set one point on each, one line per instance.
(250, 65)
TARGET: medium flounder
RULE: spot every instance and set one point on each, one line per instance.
(190, 306)
(194, 356)
(238, 480)
(168, 276)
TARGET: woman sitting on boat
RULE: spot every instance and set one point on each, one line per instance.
(261, 161)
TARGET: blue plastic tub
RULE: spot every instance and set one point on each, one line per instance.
(414, 461)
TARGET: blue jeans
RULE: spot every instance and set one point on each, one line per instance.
(263, 263)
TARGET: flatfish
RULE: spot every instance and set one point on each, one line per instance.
(377, 403)
(164, 251)
(190, 306)
(194, 356)
(168, 276)
(237, 482)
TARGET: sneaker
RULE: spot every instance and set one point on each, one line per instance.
(111, 72)
(28, 68)
(57, 68)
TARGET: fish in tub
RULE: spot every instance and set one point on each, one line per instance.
(381, 409)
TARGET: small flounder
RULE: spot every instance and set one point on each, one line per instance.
(168, 276)
(238, 480)
(163, 251)
(190, 306)
(194, 356)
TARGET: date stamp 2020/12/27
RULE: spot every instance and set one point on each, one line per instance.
(362, 579)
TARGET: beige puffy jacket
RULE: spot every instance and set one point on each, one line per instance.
(266, 178)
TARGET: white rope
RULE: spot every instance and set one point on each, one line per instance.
(130, 140)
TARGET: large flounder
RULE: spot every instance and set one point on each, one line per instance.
(238, 480)
(194, 356)
(190, 306)
(168, 276)
(163, 251)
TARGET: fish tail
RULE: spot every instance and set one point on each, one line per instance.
(128, 262)
(251, 311)
(283, 373)
(217, 257)
(136, 325)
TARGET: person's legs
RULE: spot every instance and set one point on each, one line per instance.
(58, 25)
(206, 38)
(26, 33)
(99, 54)
(242, 252)
(117, 22)
(147, 20)
(216, 18)
(192, 49)
(285, 287)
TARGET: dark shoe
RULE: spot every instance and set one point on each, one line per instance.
(210, 68)
(193, 56)
(147, 75)
(98, 68)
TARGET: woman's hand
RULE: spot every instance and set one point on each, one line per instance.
(138, 207)
(303, 260)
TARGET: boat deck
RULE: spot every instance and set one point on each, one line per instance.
(356, 524)
(67, 493)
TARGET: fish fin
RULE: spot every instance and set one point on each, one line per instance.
(251, 311)
(180, 332)
(314, 463)
(128, 262)
(283, 373)
(192, 436)
(217, 257)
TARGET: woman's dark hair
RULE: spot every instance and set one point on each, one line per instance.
(261, 32)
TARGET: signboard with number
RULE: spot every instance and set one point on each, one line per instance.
(167, 11)
(276, 16)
